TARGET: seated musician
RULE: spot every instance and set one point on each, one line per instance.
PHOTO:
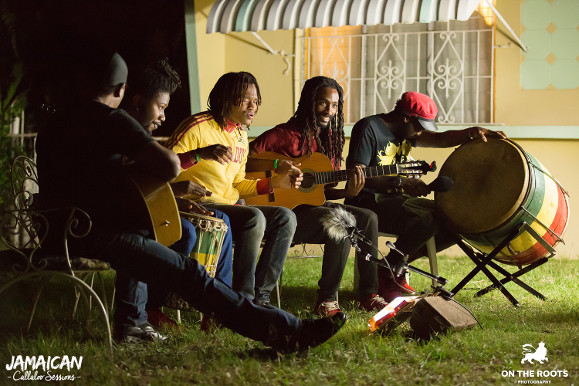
(212, 146)
(385, 139)
(148, 99)
(318, 126)
(79, 158)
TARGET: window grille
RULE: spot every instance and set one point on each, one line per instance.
(450, 61)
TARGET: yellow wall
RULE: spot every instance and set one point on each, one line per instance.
(242, 51)
(218, 53)
(518, 107)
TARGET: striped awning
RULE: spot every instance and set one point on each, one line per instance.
(271, 15)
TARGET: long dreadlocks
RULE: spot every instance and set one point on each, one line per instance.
(330, 140)
(228, 93)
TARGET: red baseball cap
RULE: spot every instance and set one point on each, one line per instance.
(419, 106)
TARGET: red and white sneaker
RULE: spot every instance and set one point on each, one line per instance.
(373, 303)
(390, 288)
(327, 308)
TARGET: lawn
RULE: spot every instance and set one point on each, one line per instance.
(353, 357)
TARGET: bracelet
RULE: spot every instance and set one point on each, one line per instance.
(275, 164)
(197, 157)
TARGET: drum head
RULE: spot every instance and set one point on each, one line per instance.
(490, 183)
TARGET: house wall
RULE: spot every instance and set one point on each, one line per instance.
(543, 120)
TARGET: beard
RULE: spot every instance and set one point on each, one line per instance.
(324, 125)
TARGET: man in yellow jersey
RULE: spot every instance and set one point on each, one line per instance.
(213, 148)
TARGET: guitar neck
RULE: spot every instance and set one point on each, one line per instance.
(342, 175)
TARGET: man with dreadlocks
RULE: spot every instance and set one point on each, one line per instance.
(318, 126)
(213, 149)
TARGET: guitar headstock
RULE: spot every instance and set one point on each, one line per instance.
(415, 168)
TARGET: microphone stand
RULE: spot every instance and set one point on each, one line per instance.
(356, 235)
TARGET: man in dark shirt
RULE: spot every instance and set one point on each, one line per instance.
(79, 160)
(385, 139)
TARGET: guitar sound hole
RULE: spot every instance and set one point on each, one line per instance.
(308, 181)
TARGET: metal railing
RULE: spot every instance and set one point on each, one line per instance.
(450, 61)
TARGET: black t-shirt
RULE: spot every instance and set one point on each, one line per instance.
(373, 144)
(79, 155)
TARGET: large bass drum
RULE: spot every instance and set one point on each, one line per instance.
(497, 187)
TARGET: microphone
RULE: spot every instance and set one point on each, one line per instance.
(401, 267)
(338, 223)
(441, 184)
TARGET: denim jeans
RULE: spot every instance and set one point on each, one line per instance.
(134, 256)
(135, 297)
(311, 230)
(251, 278)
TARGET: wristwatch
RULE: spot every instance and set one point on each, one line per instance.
(397, 182)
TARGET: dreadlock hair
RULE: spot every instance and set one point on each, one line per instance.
(157, 77)
(228, 93)
(332, 143)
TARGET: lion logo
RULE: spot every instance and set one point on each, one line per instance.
(539, 355)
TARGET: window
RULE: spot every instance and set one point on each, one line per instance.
(450, 61)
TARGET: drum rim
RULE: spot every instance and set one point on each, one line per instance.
(201, 216)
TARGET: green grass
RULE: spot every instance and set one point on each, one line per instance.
(353, 357)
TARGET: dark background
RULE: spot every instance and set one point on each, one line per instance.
(43, 35)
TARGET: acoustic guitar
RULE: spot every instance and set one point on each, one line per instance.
(157, 206)
(317, 172)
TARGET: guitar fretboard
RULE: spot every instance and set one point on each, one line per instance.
(329, 177)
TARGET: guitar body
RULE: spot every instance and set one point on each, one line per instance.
(163, 214)
(309, 192)
(318, 172)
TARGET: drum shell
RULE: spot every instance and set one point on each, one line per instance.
(542, 204)
(210, 235)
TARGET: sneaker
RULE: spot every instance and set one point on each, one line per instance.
(263, 303)
(327, 308)
(390, 288)
(159, 320)
(312, 333)
(373, 303)
(137, 334)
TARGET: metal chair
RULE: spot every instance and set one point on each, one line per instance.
(32, 255)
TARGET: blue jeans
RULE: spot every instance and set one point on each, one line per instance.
(140, 258)
(251, 278)
(134, 296)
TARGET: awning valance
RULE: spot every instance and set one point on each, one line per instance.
(257, 15)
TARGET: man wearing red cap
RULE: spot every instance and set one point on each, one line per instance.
(385, 139)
